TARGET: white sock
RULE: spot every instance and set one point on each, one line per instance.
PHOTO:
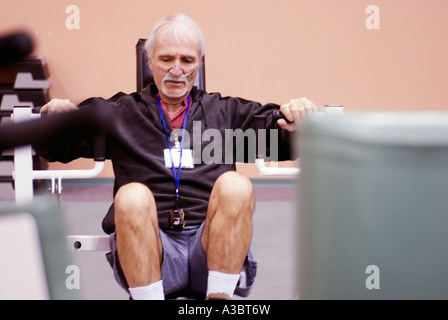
(153, 291)
(219, 282)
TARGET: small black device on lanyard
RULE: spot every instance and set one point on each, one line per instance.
(177, 216)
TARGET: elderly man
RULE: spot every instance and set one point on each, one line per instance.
(176, 224)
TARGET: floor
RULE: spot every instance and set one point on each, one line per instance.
(84, 205)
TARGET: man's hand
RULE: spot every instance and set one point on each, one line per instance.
(58, 105)
(294, 111)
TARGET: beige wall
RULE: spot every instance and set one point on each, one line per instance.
(264, 50)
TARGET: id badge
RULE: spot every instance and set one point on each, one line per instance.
(177, 219)
(187, 158)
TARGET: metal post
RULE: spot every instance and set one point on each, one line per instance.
(23, 162)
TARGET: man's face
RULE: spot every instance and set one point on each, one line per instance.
(174, 65)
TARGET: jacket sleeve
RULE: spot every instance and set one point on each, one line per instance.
(65, 146)
(76, 141)
(278, 143)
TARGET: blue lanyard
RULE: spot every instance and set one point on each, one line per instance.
(176, 176)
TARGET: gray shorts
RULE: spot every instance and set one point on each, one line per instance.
(184, 266)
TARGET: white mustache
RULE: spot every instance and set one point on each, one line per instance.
(170, 77)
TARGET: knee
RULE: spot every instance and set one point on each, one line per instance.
(236, 189)
(233, 184)
(133, 202)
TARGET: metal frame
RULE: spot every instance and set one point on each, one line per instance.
(24, 175)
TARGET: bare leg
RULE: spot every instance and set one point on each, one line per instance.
(138, 240)
(228, 228)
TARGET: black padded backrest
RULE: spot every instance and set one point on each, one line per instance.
(144, 74)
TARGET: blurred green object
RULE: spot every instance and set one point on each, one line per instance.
(373, 206)
(51, 246)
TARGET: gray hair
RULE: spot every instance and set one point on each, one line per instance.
(180, 26)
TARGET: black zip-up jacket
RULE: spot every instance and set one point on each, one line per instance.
(136, 149)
